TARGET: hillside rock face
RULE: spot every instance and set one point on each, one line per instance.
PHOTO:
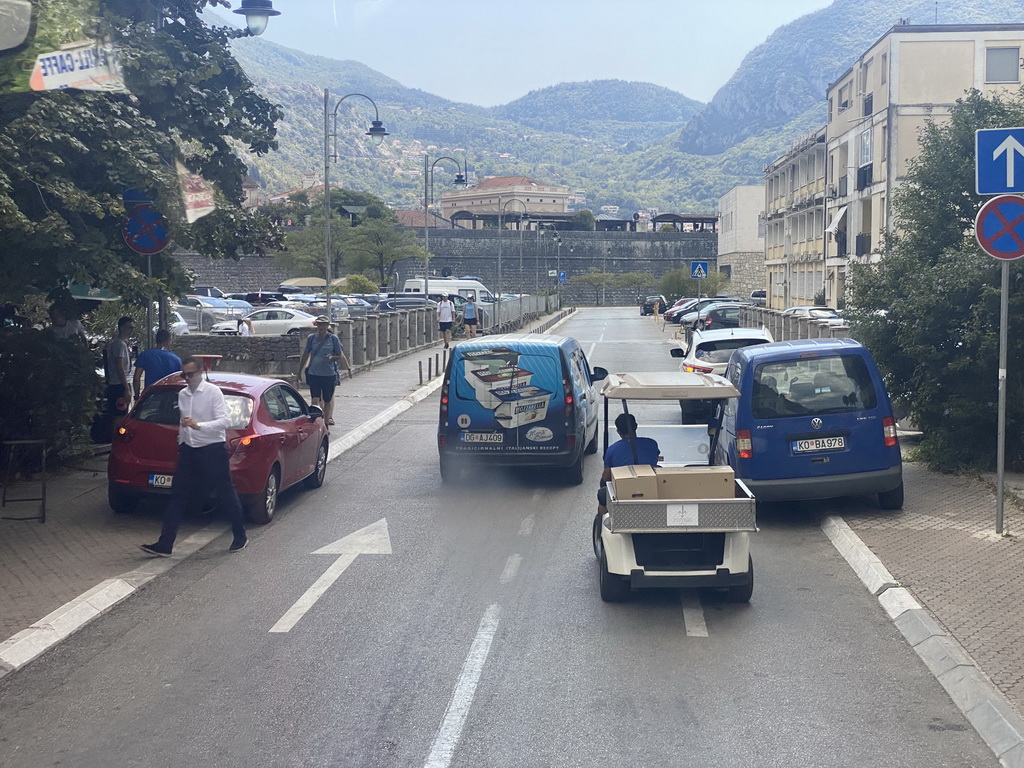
(787, 74)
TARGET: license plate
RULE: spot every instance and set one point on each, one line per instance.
(819, 444)
(482, 437)
(161, 481)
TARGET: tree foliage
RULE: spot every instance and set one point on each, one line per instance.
(68, 155)
(599, 281)
(677, 282)
(929, 311)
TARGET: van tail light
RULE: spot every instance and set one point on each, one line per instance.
(570, 403)
(444, 404)
(744, 444)
(697, 369)
(889, 431)
(243, 442)
(442, 441)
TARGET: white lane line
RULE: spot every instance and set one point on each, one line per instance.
(526, 527)
(593, 346)
(458, 707)
(693, 617)
(511, 568)
(314, 593)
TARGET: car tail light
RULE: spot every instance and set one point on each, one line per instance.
(889, 431)
(124, 434)
(243, 442)
(697, 369)
(744, 444)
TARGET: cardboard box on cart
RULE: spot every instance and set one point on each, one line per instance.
(701, 482)
(635, 482)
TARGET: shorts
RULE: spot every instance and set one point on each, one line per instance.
(321, 387)
(602, 496)
(117, 403)
(444, 327)
(470, 321)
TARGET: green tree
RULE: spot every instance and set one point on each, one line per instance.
(69, 154)
(304, 248)
(377, 244)
(678, 282)
(929, 311)
(358, 284)
(582, 221)
(636, 283)
(599, 281)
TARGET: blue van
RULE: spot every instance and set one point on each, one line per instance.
(518, 399)
(813, 421)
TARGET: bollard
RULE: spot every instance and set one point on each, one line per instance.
(437, 364)
(430, 368)
(421, 372)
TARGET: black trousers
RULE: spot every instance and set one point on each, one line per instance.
(199, 471)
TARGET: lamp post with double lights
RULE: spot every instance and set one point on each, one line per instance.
(428, 186)
(376, 134)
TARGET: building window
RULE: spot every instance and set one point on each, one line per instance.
(883, 73)
(865, 147)
(1002, 65)
(830, 110)
(844, 97)
(864, 77)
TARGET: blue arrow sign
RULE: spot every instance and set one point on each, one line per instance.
(999, 161)
(698, 270)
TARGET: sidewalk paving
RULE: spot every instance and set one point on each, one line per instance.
(941, 547)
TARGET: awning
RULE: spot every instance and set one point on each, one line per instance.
(831, 229)
(305, 282)
(80, 291)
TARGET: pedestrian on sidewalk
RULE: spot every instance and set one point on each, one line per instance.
(117, 365)
(244, 326)
(445, 318)
(156, 362)
(469, 317)
(323, 351)
(62, 328)
(202, 460)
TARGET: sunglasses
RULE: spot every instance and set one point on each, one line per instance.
(188, 374)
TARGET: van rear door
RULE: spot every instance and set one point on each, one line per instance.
(816, 415)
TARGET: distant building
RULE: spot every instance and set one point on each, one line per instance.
(741, 228)
(521, 201)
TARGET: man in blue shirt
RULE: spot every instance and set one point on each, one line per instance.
(621, 454)
(156, 362)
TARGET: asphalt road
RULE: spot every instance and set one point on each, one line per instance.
(470, 633)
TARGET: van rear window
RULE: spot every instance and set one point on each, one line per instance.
(161, 407)
(805, 387)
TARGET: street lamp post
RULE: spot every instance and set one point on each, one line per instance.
(501, 237)
(376, 134)
(428, 184)
(257, 15)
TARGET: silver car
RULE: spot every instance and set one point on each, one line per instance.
(271, 321)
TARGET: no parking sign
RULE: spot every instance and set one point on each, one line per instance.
(145, 230)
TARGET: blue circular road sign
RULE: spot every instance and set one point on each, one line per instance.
(145, 230)
(999, 227)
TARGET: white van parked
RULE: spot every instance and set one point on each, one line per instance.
(453, 287)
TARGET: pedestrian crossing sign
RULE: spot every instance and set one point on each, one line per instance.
(698, 270)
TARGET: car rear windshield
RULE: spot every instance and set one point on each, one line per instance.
(161, 407)
(721, 351)
(809, 386)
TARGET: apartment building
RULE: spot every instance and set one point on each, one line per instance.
(794, 209)
(741, 227)
(876, 108)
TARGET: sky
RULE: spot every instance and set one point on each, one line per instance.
(490, 52)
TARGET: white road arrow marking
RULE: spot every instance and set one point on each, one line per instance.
(1012, 148)
(371, 540)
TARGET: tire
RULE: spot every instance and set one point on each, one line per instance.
(592, 445)
(595, 535)
(316, 477)
(261, 509)
(123, 502)
(449, 472)
(293, 332)
(742, 593)
(574, 474)
(614, 588)
(892, 499)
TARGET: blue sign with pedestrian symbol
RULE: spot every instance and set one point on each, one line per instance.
(999, 161)
(698, 270)
(999, 227)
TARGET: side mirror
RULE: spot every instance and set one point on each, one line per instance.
(677, 352)
(599, 373)
(315, 412)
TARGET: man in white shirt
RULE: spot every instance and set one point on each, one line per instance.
(445, 318)
(202, 460)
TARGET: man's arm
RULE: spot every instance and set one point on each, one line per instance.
(123, 361)
(137, 381)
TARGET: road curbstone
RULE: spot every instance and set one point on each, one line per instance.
(917, 626)
(865, 564)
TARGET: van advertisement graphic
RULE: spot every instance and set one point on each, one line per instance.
(500, 390)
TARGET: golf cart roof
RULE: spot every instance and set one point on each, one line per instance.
(667, 385)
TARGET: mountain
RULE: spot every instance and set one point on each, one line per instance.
(788, 74)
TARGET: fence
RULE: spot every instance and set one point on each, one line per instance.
(788, 327)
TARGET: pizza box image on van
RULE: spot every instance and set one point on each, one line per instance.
(521, 405)
(484, 381)
(496, 357)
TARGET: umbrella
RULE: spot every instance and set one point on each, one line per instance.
(306, 282)
(80, 291)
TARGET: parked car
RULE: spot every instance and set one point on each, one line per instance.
(207, 290)
(239, 307)
(201, 312)
(647, 307)
(275, 441)
(759, 298)
(259, 298)
(271, 321)
(405, 302)
(709, 352)
(816, 313)
(689, 317)
(720, 316)
(357, 307)
(672, 313)
(176, 324)
(813, 421)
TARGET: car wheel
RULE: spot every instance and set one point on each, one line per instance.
(574, 475)
(592, 445)
(449, 472)
(122, 501)
(294, 332)
(742, 593)
(892, 499)
(316, 477)
(261, 510)
(614, 588)
(595, 535)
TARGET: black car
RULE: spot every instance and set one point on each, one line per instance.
(725, 316)
(259, 298)
(647, 308)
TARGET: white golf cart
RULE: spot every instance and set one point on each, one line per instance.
(685, 523)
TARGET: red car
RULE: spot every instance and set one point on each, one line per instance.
(275, 440)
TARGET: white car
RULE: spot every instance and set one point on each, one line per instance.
(709, 352)
(272, 321)
(178, 326)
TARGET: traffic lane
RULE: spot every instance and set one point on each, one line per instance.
(188, 669)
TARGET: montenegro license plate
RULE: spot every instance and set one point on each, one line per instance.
(160, 481)
(819, 444)
(482, 437)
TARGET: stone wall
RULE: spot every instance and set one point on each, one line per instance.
(248, 273)
(747, 270)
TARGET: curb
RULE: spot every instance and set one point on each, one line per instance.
(984, 706)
